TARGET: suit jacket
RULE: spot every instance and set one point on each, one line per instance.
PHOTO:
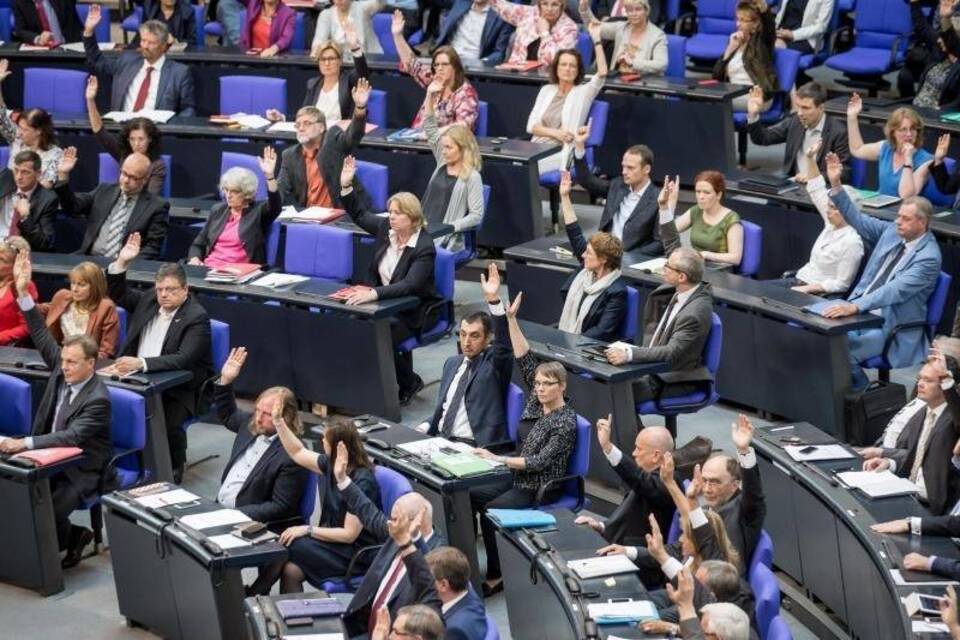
(945, 525)
(466, 620)
(27, 25)
(148, 217)
(38, 228)
(273, 490)
(486, 388)
(182, 24)
(629, 524)
(494, 40)
(281, 29)
(937, 465)
(254, 226)
(87, 419)
(743, 514)
(641, 232)
(604, 319)
(348, 80)
(903, 298)
(790, 130)
(103, 325)
(186, 346)
(174, 92)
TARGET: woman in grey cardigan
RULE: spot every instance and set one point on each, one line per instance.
(639, 46)
(454, 196)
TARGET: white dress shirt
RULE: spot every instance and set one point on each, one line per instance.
(329, 104)
(665, 321)
(836, 254)
(466, 39)
(446, 606)
(388, 264)
(626, 208)
(895, 427)
(241, 470)
(134, 88)
(154, 334)
(461, 422)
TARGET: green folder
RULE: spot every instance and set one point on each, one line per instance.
(462, 465)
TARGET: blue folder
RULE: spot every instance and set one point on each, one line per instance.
(520, 518)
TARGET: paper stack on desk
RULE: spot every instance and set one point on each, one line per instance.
(155, 115)
(623, 612)
(167, 498)
(654, 265)
(878, 484)
(801, 452)
(602, 566)
(211, 519)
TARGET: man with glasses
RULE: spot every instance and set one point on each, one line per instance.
(310, 170)
(415, 621)
(116, 211)
(166, 331)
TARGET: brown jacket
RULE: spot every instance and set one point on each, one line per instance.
(103, 325)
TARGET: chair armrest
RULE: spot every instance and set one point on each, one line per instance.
(429, 310)
(112, 465)
(832, 41)
(356, 558)
(919, 324)
(683, 17)
(541, 492)
(789, 274)
(893, 52)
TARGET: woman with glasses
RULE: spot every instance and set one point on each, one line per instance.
(546, 437)
(543, 30)
(456, 101)
(639, 47)
(903, 164)
(748, 58)
(13, 326)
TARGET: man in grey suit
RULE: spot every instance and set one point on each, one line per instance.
(143, 80)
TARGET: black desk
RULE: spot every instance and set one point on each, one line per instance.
(29, 552)
(28, 365)
(822, 537)
(770, 346)
(259, 610)
(298, 337)
(168, 581)
(546, 610)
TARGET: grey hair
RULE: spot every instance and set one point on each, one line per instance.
(690, 263)
(923, 206)
(241, 179)
(157, 28)
(722, 578)
(643, 3)
(422, 621)
(727, 621)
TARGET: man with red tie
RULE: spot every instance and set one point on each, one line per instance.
(144, 79)
(46, 22)
(26, 208)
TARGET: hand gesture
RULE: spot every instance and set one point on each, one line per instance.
(399, 528)
(361, 93)
(22, 207)
(67, 161)
(742, 433)
(603, 433)
(346, 173)
(907, 149)
(396, 25)
(274, 115)
(582, 135)
(736, 39)
(130, 250)
(834, 169)
(342, 463)
(234, 363)
(754, 101)
(292, 533)
(943, 146)
(514, 306)
(382, 629)
(594, 30)
(434, 91)
(583, 6)
(695, 487)
(682, 596)
(5, 69)
(350, 35)
(593, 523)
(946, 9)
(948, 610)
(565, 184)
(268, 162)
(612, 550)
(894, 526)
(543, 27)
(490, 283)
(93, 18)
(915, 562)
(667, 469)
(813, 151)
(22, 273)
(854, 106)
(670, 194)
(93, 85)
(655, 541)
(939, 363)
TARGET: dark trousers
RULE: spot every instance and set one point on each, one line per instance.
(176, 414)
(802, 46)
(502, 495)
(66, 499)
(402, 360)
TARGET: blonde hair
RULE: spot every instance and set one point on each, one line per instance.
(467, 143)
(409, 205)
(894, 121)
(328, 45)
(92, 274)
(15, 245)
(715, 522)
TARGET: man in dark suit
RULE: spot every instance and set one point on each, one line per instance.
(182, 21)
(144, 79)
(116, 211)
(800, 131)
(463, 612)
(74, 412)
(46, 22)
(27, 209)
(475, 31)
(260, 479)
(630, 211)
(166, 331)
(302, 186)
(470, 405)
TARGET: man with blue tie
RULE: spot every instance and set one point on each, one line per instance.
(475, 30)
(899, 277)
(463, 613)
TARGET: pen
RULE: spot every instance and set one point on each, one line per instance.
(781, 428)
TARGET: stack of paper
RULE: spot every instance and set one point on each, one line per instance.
(155, 115)
(602, 566)
(211, 519)
(278, 280)
(229, 541)
(654, 265)
(77, 47)
(430, 447)
(250, 121)
(878, 484)
(283, 127)
(311, 214)
(167, 498)
(802, 453)
(623, 612)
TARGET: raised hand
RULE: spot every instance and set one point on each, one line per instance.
(514, 306)
(93, 19)
(943, 146)
(342, 464)
(814, 150)
(834, 169)
(894, 526)
(946, 9)
(234, 363)
(907, 149)
(361, 93)
(582, 135)
(22, 273)
(594, 30)
(268, 162)
(347, 172)
(274, 115)
(603, 433)
(939, 362)
(854, 106)
(742, 433)
(130, 250)
(90, 93)
(5, 69)
(396, 25)
(655, 541)
(682, 596)
(67, 161)
(667, 468)
(695, 487)
(350, 35)
(399, 528)
(565, 184)
(22, 207)
(583, 6)
(490, 283)
(382, 629)
(754, 101)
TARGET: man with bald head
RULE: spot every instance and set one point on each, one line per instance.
(629, 524)
(115, 211)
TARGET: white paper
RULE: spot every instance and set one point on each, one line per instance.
(290, 212)
(934, 580)
(78, 46)
(821, 452)
(923, 626)
(633, 608)
(229, 541)
(877, 484)
(210, 519)
(250, 121)
(277, 280)
(602, 566)
(167, 498)
(155, 115)
(430, 447)
(283, 127)
(654, 265)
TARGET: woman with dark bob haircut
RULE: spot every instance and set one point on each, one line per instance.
(31, 131)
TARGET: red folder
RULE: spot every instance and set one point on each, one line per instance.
(46, 457)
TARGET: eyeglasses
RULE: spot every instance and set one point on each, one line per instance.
(303, 124)
(329, 59)
(441, 64)
(544, 383)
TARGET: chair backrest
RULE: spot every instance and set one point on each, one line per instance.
(483, 110)
(219, 343)
(514, 409)
(375, 179)
(778, 630)
(766, 593)
(381, 27)
(631, 319)
(580, 458)
(377, 108)
(674, 534)
(676, 57)
(752, 248)
(444, 272)
(273, 243)
(714, 345)
(936, 302)
(230, 159)
(4, 156)
(763, 553)
(492, 632)
(318, 250)
(599, 111)
(585, 47)
(199, 10)
(168, 177)
(122, 321)
(58, 91)
(252, 94)
(933, 194)
(102, 32)
(6, 20)
(392, 485)
(716, 16)
(299, 42)
(15, 406)
(110, 171)
(128, 419)
(787, 64)
(309, 498)
(878, 23)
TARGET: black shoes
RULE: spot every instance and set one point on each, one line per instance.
(489, 590)
(178, 475)
(407, 396)
(80, 537)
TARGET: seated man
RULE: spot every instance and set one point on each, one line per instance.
(463, 611)
(476, 31)
(116, 211)
(166, 331)
(47, 22)
(629, 524)
(630, 211)
(720, 620)
(27, 209)
(260, 479)
(800, 131)
(470, 405)
(143, 79)
(900, 275)
(74, 412)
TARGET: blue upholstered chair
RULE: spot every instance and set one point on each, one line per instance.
(252, 94)
(230, 159)
(309, 498)
(766, 593)
(320, 251)
(631, 319)
(882, 29)
(215, 29)
(810, 60)
(219, 352)
(515, 400)
(102, 31)
(483, 115)
(6, 24)
(15, 407)
(375, 179)
(381, 27)
(60, 92)
(299, 42)
(585, 47)
(676, 57)
(377, 108)
(778, 630)
(763, 553)
(716, 20)
(122, 321)
(4, 156)
(110, 171)
(574, 495)
(492, 632)
(933, 194)
(752, 248)
(443, 274)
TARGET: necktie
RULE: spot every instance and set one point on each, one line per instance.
(881, 279)
(389, 582)
(42, 14)
(922, 445)
(117, 222)
(143, 91)
(659, 336)
(451, 415)
(60, 416)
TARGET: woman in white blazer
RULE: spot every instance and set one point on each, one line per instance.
(563, 104)
(342, 16)
(807, 36)
(639, 46)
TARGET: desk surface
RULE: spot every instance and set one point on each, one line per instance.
(874, 113)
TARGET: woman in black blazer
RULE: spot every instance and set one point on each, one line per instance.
(178, 15)
(403, 265)
(236, 230)
(595, 298)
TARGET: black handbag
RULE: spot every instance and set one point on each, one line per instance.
(867, 412)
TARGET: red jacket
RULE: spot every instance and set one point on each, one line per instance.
(13, 326)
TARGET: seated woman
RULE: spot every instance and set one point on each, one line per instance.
(13, 326)
(715, 231)
(454, 196)
(138, 135)
(84, 308)
(403, 265)
(322, 552)
(639, 46)
(903, 168)
(562, 105)
(32, 131)
(748, 58)
(595, 298)
(547, 434)
(940, 82)
(927, 51)
(236, 230)
(457, 101)
(178, 15)
(542, 30)
(945, 182)
(268, 28)
(344, 16)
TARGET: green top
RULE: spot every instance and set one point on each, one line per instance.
(707, 237)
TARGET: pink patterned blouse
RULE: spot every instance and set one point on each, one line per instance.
(461, 106)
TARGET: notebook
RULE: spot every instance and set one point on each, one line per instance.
(623, 612)
(520, 518)
(462, 465)
(45, 457)
(878, 484)
(309, 608)
(602, 566)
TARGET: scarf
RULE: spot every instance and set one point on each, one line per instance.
(580, 298)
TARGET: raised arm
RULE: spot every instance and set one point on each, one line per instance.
(366, 220)
(520, 345)
(407, 55)
(307, 459)
(859, 149)
(574, 233)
